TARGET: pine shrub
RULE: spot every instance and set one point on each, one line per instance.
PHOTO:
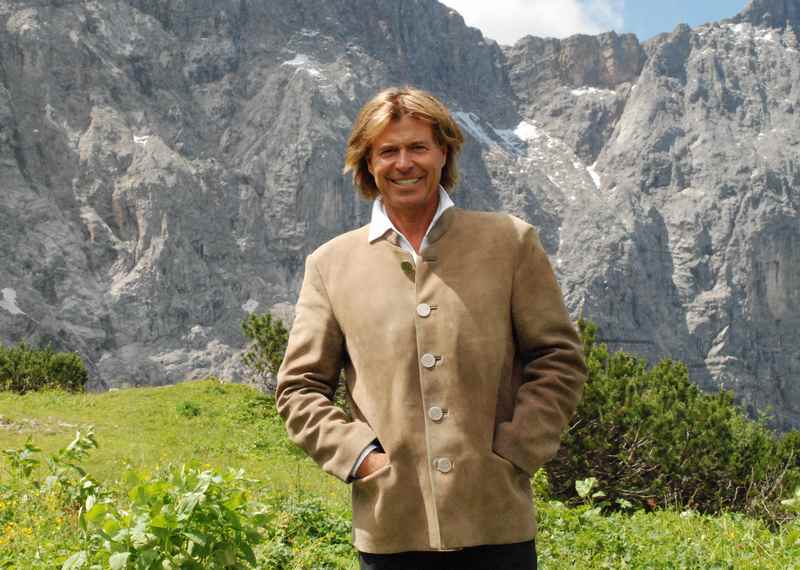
(268, 338)
(24, 369)
(653, 438)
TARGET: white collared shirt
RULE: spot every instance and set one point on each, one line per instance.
(380, 223)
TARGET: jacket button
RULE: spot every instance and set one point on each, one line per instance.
(436, 413)
(423, 310)
(428, 360)
(444, 465)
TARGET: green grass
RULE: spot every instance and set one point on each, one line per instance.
(577, 537)
(219, 426)
(142, 428)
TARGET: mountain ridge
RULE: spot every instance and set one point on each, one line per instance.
(169, 165)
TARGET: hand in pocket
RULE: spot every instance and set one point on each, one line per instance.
(372, 462)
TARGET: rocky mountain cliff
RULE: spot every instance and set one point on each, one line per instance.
(167, 165)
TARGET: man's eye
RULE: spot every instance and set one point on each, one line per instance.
(419, 148)
(387, 152)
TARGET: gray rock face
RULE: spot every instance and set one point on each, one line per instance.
(770, 14)
(707, 146)
(167, 166)
(575, 87)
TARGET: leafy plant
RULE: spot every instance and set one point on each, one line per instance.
(586, 490)
(67, 477)
(185, 519)
(23, 461)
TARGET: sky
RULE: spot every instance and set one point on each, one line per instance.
(508, 20)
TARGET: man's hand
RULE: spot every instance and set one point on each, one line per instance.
(372, 462)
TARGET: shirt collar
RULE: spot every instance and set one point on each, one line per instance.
(380, 223)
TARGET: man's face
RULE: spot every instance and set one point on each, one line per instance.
(406, 162)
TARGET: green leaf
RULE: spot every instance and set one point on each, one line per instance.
(253, 536)
(163, 520)
(188, 503)
(584, 486)
(123, 535)
(146, 559)
(237, 500)
(96, 511)
(624, 503)
(77, 560)
(225, 556)
(139, 534)
(119, 560)
(248, 553)
(196, 538)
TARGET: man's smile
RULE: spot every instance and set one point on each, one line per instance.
(406, 181)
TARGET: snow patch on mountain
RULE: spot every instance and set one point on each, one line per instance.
(9, 302)
(595, 176)
(583, 91)
(528, 132)
(303, 62)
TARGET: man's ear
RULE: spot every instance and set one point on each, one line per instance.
(444, 156)
(368, 160)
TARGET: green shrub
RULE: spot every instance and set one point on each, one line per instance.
(268, 338)
(651, 437)
(305, 533)
(185, 518)
(68, 371)
(264, 356)
(188, 409)
(23, 369)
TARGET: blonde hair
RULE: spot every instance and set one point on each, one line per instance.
(390, 105)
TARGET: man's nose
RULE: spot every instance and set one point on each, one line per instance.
(403, 160)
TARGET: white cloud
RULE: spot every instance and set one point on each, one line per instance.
(506, 21)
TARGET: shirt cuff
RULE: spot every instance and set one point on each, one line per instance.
(367, 450)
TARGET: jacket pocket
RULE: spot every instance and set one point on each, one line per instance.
(518, 470)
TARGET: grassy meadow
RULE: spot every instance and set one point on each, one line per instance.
(297, 517)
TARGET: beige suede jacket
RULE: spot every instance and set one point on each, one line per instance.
(466, 368)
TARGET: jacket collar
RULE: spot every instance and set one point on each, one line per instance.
(380, 223)
(442, 225)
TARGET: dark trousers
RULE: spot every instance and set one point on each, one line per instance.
(518, 556)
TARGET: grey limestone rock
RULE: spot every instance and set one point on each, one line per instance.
(770, 14)
(166, 166)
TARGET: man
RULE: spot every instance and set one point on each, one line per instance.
(461, 364)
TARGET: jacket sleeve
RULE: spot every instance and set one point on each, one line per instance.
(307, 382)
(550, 354)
